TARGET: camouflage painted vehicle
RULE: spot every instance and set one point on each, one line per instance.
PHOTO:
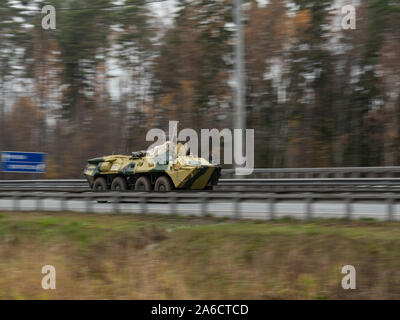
(152, 171)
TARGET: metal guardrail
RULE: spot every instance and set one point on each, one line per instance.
(45, 182)
(68, 185)
(245, 185)
(204, 198)
(336, 172)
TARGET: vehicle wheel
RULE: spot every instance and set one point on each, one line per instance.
(100, 185)
(143, 184)
(163, 184)
(119, 184)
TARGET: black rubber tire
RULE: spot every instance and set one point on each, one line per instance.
(119, 184)
(143, 184)
(163, 184)
(100, 185)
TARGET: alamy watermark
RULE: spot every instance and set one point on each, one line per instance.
(349, 20)
(49, 280)
(349, 280)
(233, 145)
(49, 20)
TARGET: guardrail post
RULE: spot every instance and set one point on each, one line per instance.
(271, 203)
(390, 202)
(143, 204)
(88, 203)
(236, 200)
(204, 204)
(64, 203)
(16, 198)
(116, 201)
(349, 206)
(39, 203)
(172, 203)
(308, 206)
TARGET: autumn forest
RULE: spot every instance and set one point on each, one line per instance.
(316, 95)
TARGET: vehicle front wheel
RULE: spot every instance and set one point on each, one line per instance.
(143, 184)
(163, 184)
(119, 184)
(100, 185)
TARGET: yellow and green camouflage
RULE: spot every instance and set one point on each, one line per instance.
(152, 170)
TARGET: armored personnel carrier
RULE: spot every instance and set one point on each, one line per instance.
(152, 170)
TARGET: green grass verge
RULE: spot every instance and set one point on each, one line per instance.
(171, 257)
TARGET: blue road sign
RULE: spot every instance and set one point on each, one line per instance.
(23, 162)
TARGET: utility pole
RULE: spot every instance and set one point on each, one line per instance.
(240, 99)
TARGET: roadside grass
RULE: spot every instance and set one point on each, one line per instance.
(172, 257)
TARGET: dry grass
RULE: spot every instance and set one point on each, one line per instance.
(136, 257)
